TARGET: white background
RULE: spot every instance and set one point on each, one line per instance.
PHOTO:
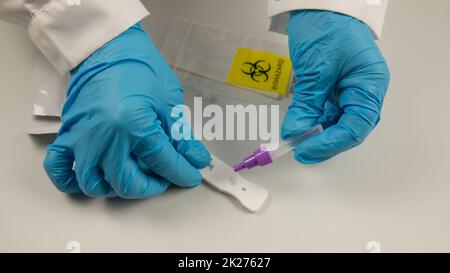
(394, 189)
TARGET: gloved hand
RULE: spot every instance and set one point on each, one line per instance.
(116, 125)
(342, 79)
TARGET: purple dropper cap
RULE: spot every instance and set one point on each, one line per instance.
(258, 158)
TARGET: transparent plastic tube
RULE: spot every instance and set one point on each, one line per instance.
(290, 144)
(262, 157)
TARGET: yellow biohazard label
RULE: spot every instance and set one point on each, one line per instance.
(260, 70)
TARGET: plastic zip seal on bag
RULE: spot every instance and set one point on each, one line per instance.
(48, 87)
(47, 97)
(207, 54)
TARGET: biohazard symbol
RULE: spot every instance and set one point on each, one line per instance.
(258, 71)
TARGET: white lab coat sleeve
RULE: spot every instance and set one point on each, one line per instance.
(68, 31)
(371, 12)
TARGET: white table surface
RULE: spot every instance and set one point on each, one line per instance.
(394, 189)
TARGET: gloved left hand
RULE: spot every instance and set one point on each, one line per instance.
(116, 126)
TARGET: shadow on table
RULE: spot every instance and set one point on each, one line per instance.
(118, 204)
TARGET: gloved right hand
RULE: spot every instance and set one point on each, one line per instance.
(115, 124)
(342, 81)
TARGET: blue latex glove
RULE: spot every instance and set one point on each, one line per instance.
(115, 125)
(342, 81)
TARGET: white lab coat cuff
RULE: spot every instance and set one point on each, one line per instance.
(371, 12)
(68, 31)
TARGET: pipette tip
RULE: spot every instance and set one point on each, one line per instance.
(257, 158)
(239, 167)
